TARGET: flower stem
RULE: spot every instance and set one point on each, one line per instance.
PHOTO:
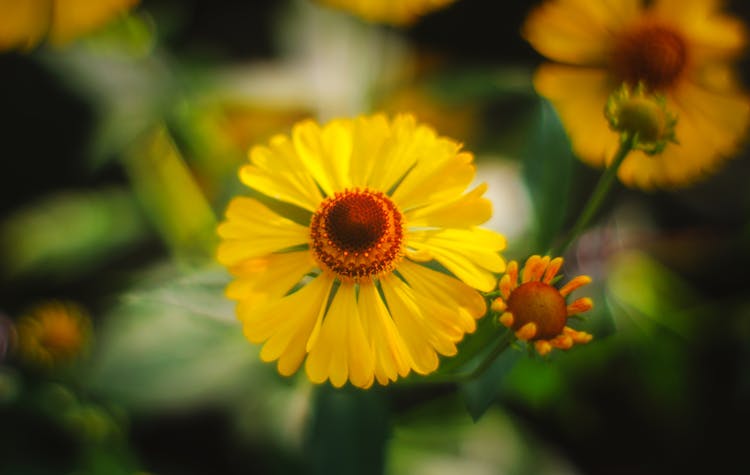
(598, 195)
(501, 344)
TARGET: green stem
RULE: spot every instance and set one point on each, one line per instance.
(501, 345)
(598, 195)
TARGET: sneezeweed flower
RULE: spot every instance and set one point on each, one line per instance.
(682, 50)
(24, 23)
(536, 310)
(342, 274)
(53, 334)
(394, 12)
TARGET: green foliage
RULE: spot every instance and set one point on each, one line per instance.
(70, 233)
(547, 169)
(348, 432)
(173, 344)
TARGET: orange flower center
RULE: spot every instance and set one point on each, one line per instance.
(539, 303)
(652, 53)
(357, 234)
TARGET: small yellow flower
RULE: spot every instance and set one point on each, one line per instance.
(24, 23)
(536, 310)
(681, 49)
(394, 12)
(342, 276)
(53, 333)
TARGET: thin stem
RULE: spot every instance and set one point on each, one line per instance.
(597, 196)
(500, 345)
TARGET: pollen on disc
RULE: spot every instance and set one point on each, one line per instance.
(357, 234)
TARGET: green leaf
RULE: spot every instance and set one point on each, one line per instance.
(348, 432)
(480, 84)
(480, 393)
(647, 296)
(70, 233)
(175, 344)
(547, 169)
(170, 195)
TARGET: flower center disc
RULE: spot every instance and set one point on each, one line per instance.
(357, 234)
(650, 53)
(541, 304)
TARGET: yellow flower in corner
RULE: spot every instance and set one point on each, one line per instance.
(53, 333)
(394, 12)
(338, 269)
(536, 310)
(24, 23)
(681, 49)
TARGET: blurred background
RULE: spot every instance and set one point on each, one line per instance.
(120, 355)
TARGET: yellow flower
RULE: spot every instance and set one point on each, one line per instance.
(341, 274)
(53, 333)
(681, 49)
(394, 12)
(23, 23)
(536, 310)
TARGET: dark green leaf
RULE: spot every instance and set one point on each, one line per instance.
(348, 433)
(480, 393)
(547, 166)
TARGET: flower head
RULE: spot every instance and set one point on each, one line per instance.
(632, 111)
(342, 274)
(394, 12)
(536, 310)
(53, 333)
(24, 23)
(682, 50)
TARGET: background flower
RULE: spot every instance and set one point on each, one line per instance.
(683, 50)
(24, 23)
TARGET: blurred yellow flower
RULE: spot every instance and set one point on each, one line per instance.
(24, 23)
(341, 274)
(682, 49)
(536, 310)
(394, 12)
(53, 333)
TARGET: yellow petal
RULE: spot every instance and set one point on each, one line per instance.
(578, 31)
(268, 277)
(579, 96)
(470, 254)
(252, 230)
(325, 152)
(74, 18)
(342, 351)
(425, 326)
(392, 358)
(709, 33)
(400, 151)
(285, 324)
(442, 173)
(449, 292)
(463, 211)
(23, 23)
(278, 172)
(369, 135)
(710, 127)
(408, 318)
